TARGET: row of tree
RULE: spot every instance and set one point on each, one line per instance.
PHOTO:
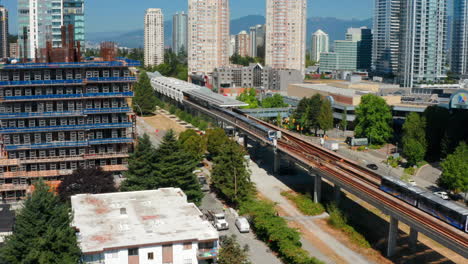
(312, 114)
(250, 96)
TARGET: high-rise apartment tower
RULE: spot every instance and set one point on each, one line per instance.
(209, 37)
(179, 32)
(4, 46)
(409, 40)
(320, 43)
(154, 37)
(41, 20)
(422, 43)
(459, 50)
(286, 34)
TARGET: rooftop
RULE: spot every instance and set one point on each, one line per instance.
(119, 62)
(195, 90)
(327, 87)
(126, 219)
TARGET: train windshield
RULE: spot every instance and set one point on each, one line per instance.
(271, 134)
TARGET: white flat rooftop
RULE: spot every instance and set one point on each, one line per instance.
(322, 87)
(126, 219)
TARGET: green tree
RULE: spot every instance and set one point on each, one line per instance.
(175, 167)
(414, 138)
(232, 252)
(373, 119)
(239, 60)
(274, 101)
(194, 144)
(344, 120)
(183, 136)
(144, 101)
(86, 180)
(455, 170)
(249, 96)
(140, 174)
(230, 175)
(42, 232)
(313, 112)
(216, 138)
(325, 117)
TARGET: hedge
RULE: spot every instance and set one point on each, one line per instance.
(274, 230)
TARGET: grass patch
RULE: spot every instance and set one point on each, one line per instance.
(410, 170)
(304, 203)
(339, 221)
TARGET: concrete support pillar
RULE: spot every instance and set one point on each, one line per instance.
(392, 236)
(337, 191)
(277, 161)
(317, 188)
(413, 238)
(246, 143)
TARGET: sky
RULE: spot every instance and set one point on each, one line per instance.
(126, 15)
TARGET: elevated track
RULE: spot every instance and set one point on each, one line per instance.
(355, 179)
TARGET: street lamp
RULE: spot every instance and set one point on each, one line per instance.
(139, 108)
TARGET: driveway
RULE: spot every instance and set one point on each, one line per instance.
(259, 253)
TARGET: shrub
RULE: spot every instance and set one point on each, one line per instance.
(361, 148)
(304, 203)
(274, 230)
(410, 170)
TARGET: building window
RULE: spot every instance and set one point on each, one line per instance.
(187, 245)
(150, 255)
(133, 251)
(187, 261)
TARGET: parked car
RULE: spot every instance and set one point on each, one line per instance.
(442, 195)
(205, 187)
(372, 166)
(412, 182)
(243, 225)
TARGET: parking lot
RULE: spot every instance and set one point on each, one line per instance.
(259, 253)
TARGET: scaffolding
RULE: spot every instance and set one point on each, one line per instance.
(68, 82)
(68, 144)
(49, 97)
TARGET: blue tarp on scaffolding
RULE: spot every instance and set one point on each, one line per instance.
(66, 113)
(120, 62)
(65, 96)
(68, 82)
(66, 144)
(63, 128)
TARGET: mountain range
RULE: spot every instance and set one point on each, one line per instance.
(334, 27)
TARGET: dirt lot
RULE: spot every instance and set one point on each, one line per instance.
(162, 122)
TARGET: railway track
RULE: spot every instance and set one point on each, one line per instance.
(349, 173)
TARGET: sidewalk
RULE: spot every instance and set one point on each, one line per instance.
(324, 246)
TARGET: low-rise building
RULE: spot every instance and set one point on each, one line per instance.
(255, 76)
(345, 97)
(156, 226)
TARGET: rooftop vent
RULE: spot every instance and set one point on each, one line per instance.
(123, 211)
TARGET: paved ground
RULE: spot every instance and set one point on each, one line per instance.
(259, 252)
(427, 176)
(270, 187)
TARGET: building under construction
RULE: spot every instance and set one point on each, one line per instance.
(57, 116)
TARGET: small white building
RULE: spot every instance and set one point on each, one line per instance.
(144, 227)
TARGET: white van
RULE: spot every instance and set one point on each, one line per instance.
(243, 225)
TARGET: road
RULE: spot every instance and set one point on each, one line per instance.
(258, 251)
